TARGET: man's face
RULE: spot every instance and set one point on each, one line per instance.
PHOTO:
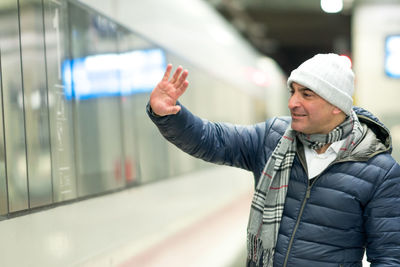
(311, 114)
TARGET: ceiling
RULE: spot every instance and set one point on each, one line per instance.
(289, 31)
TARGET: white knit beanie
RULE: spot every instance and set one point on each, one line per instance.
(328, 75)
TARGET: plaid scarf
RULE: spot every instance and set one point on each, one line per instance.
(269, 197)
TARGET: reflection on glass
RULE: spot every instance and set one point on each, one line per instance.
(35, 103)
(13, 109)
(116, 74)
(98, 120)
(74, 85)
(3, 181)
(128, 109)
(60, 110)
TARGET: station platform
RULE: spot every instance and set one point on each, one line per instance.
(194, 220)
(198, 219)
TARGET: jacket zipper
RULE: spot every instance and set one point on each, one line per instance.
(308, 192)
(297, 224)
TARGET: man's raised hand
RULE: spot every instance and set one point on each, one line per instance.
(166, 93)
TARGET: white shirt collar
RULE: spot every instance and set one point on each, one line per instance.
(336, 146)
(316, 163)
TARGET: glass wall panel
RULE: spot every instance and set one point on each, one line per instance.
(129, 132)
(150, 146)
(97, 117)
(13, 108)
(35, 101)
(3, 178)
(72, 119)
(60, 110)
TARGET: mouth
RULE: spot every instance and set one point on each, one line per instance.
(298, 116)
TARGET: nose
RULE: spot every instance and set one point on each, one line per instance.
(293, 101)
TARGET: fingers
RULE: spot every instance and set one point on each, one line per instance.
(183, 87)
(167, 72)
(176, 75)
(175, 109)
(178, 79)
(182, 79)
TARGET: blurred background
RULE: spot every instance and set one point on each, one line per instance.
(85, 177)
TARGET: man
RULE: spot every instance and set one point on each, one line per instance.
(327, 187)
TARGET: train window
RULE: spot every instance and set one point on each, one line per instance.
(56, 144)
(60, 110)
(3, 181)
(99, 157)
(35, 103)
(130, 138)
(13, 110)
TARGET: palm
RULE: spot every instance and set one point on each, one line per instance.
(166, 93)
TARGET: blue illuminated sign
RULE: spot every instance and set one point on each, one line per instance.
(113, 74)
(392, 56)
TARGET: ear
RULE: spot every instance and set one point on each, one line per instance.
(336, 110)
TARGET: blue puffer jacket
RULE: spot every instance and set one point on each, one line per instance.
(328, 222)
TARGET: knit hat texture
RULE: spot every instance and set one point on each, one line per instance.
(328, 75)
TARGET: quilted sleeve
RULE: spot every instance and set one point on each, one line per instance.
(382, 221)
(220, 143)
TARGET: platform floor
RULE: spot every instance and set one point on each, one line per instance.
(198, 219)
(193, 220)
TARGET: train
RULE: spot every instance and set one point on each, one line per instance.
(75, 84)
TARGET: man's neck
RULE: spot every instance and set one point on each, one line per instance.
(322, 149)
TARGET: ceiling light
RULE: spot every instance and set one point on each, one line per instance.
(332, 6)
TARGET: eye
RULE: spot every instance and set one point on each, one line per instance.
(308, 93)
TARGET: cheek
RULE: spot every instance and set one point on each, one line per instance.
(321, 115)
(316, 114)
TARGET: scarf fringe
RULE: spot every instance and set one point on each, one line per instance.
(256, 252)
